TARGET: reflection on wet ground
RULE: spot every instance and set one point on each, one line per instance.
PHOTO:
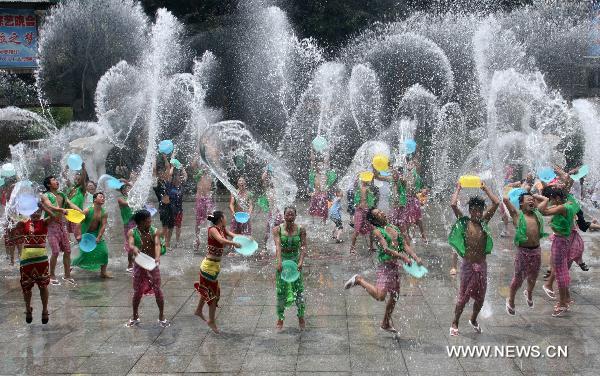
(86, 333)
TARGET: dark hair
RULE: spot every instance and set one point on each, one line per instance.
(47, 180)
(141, 215)
(552, 191)
(372, 218)
(215, 217)
(290, 208)
(522, 196)
(123, 187)
(96, 195)
(476, 202)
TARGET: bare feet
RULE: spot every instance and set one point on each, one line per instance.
(200, 314)
(106, 275)
(301, 323)
(213, 326)
(453, 271)
(279, 325)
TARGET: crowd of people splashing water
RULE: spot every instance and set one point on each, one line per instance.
(383, 132)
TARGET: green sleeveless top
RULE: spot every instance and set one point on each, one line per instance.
(331, 178)
(370, 198)
(382, 255)
(563, 224)
(521, 231)
(290, 243)
(78, 196)
(52, 198)
(137, 239)
(402, 189)
(458, 232)
(85, 225)
(126, 212)
(312, 175)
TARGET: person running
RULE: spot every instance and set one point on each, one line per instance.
(364, 199)
(58, 238)
(145, 238)
(529, 226)
(391, 246)
(243, 203)
(290, 244)
(95, 224)
(34, 264)
(204, 199)
(471, 238)
(567, 244)
(208, 285)
(179, 177)
(128, 223)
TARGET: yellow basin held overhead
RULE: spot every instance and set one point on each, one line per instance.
(470, 181)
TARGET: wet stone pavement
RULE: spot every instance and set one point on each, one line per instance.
(86, 333)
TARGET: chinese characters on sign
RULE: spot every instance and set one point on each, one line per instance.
(18, 38)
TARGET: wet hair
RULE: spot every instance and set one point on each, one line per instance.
(123, 187)
(141, 215)
(552, 191)
(372, 218)
(96, 195)
(215, 217)
(476, 202)
(91, 181)
(289, 208)
(47, 180)
(522, 196)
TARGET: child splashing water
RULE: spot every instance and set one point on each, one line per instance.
(472, 239)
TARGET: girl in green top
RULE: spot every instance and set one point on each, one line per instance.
(95, 224)
(391, 246)
(290, 244)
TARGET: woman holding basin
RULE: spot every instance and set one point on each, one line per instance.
(208, 285)
(241, 204)
(290, 245)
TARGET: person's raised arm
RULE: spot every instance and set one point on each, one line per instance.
(302, 247)
(545, 210)
(277, 239)
(514, 214)
(454, 202)
(489, 212)
(83, 178)
(122, 202)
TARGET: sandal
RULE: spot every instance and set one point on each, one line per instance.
(454, 332)
(390, 328)
(453, 271)
(477, 328)
(584, 267)
(529, 302)
(45, 317)
(558, 311)
(549, 292)
(132, 322)
(510, 310)
(164, 323)
(351, 282)
(29, 316)
(54, 282)
(70, 280)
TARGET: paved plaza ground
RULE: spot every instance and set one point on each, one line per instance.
(86, 333)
